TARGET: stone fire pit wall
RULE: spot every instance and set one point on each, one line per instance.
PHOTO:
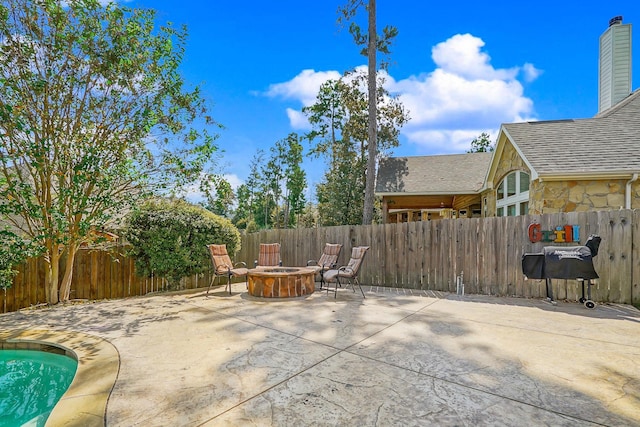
(281, 282)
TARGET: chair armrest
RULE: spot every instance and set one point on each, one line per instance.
(242, 263)
(311, 261)
(220, 269)
(255, 263)
(327, 267)
(280, 263)
(346, 269)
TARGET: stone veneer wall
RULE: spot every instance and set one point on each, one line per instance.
(488, 203)
(580, 196)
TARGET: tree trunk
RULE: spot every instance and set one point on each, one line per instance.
(65, 286)
(52, 275)
(367, 214)
(286, 213)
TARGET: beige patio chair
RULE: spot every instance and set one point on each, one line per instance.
(349, 271)
(269, 255)
(222, 265)
(327, 261)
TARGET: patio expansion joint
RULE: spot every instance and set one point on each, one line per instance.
(338, 351)
(349, 350)
(480, 390)
(465, 386)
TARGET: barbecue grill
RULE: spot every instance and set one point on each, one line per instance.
(564, 262)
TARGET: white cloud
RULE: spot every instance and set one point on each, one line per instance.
(530, 72)
(298, 120)
(449, 106)
(234, 180)
(102, 2)
(303, 87)
(445, 141)
(461, 55)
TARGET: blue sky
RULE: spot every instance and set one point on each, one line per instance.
(460, 67)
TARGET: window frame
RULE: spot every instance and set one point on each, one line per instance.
(507, 203)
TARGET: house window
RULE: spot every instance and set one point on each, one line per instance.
(512, 197)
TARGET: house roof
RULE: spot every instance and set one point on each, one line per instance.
(423, 175)
(608, 143)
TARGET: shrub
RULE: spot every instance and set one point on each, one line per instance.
(168, 238)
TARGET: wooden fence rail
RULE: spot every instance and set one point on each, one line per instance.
(486, 252)
(427, 255)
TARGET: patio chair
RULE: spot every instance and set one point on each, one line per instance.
(327, 261)
(222, 265)
(349, 271)
(269, 255)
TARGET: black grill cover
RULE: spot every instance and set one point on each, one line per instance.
(533, 266)
(568, 262)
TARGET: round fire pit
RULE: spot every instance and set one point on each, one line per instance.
(281, 282)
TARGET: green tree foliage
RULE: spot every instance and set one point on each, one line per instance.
(295, 180)
(308, 218)
(242, 215)
(481, 144)
(371, 43)
(220, 200)
(93, 113)
(274, 192)
(341, 192)
(271, 182)
(339, 120)
(284, 181)
(169, 238)
(255, 199)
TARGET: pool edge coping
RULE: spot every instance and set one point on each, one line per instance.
(85, 401)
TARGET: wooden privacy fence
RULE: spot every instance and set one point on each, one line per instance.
(486, 252)
(97, 275)
(428, 255)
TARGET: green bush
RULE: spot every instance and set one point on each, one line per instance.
(168, 238)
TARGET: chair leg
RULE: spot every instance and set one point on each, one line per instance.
(213, 279)
(335, 290)
(358, 283)
(229, 283)
(210, 284)
(353, 282)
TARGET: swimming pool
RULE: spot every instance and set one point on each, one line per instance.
(31, 383)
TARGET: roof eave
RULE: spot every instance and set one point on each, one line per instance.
(586, 175)
(429, 193)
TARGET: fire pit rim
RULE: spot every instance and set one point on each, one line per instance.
(279, 271)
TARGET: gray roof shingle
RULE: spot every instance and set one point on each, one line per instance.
(607, 143)
(444, 174)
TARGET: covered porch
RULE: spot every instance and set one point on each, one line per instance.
(428, 207)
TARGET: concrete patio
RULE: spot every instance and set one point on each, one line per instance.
(396, 358)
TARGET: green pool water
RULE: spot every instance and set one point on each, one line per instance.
(31, 383)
